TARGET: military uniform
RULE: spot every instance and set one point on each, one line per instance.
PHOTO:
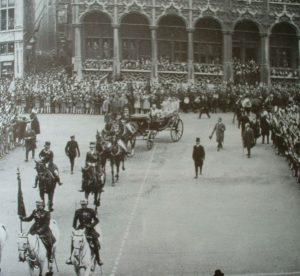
(41, 228)
(72, 150)
(88, 220)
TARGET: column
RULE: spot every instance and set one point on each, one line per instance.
(298, 56)
(265, 59)
(77, 54)
(154, 71)
(190, 55)
(227, 56)
(116, 59)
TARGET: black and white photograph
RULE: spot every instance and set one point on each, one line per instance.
(150, 137)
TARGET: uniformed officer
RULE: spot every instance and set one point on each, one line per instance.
(46, 155)
(72, 150)
(91, 159)
(87, 220)
(41, 227)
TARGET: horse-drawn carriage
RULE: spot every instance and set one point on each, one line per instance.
(148, 127)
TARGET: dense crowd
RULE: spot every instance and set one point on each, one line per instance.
(246, 72)
(56, 92)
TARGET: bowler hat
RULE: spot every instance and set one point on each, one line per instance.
(47, 143)
(72, 136)
(197, 139)
(92, 144)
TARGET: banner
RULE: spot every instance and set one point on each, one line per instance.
(21, 205)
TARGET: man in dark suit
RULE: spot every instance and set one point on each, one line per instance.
(72, 150)
(198, 156)
(248, 139)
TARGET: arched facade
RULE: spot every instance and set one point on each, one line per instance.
(180, 37)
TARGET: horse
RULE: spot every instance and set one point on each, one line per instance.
(93, 177)
(83, 259)
(128, 134)
(116, 157)
(46, 182)
(3, 238)
(32, 250)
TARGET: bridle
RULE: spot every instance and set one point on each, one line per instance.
(28, 252)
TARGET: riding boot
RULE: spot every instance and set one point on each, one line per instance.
(49, 254)
(97, 252)
(58, 180)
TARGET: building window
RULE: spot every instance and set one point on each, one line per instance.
(7, 15)
(7, 48)
(7, 68)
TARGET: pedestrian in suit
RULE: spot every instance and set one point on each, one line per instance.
(219, 129)
(72, 150)
(198, 157)
(248, 139)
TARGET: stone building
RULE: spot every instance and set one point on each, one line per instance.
(107, 35)
(11, 38)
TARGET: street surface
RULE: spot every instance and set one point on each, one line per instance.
(241, 216)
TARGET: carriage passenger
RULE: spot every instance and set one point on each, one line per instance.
(41, 227)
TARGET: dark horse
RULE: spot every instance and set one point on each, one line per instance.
(93, 178)
(117, 155)
(46, 182)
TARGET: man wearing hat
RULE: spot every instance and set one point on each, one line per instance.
(198, 156)
(87, 219)
(41, 227)
(46, 155)
(72, 150)
(91, 159)
(248, 139)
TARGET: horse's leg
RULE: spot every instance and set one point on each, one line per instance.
(112, 172)
(50, 201)
(31, 269)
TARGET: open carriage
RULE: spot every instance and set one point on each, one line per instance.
(148, 127)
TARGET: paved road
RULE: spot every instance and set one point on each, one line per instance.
(242, 215)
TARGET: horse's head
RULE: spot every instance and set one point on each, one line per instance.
(78, 242)
(40, 167)
(23, 246)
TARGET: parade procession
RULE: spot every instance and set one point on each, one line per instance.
(150, 137)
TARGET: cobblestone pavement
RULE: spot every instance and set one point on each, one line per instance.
(242, 215)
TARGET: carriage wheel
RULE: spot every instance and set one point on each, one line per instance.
(177, 130)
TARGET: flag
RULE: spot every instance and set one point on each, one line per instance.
(21, 205)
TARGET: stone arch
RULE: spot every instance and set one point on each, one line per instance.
(220, 22)
(83, 16)
(173, 14)
(172, 38)
(208, 40)
(284, 45)
(135, 37)
(97, 35)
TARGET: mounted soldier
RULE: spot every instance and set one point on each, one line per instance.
(41, 227)
(46, 155)
(87, 219)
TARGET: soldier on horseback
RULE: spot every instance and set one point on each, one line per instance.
(41, 227)
(87, 220)
(92, 157)
(46, 155)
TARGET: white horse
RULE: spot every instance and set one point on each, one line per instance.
(3, 238)
(32, 250)
(83, 259)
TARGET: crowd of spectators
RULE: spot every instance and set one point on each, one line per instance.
(284, 73)
(246, 72)
(104, 64)
(165, 64)
(139, 64)
(214, 69)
